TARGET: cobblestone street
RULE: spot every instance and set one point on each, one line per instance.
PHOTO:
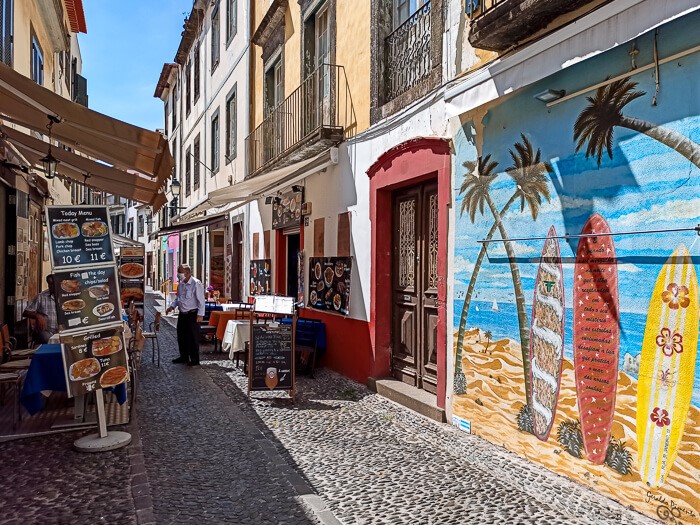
(204, 453)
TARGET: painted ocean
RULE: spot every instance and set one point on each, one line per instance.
(504, 324)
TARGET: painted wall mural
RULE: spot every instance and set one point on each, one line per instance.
(576, 292)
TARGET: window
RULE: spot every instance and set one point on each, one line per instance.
(175, 101)
(231, 125)
(405, 8)
(190, 252)
(173, 149)
(37, 62)
(196, 73)
(141, 225)
(274, 86)
(323, 49)
(231, 20)
(215, 138)
(167, 110)
(6, 31)
(196, 162)
(188, 87)
(215, 37)
(188, 172)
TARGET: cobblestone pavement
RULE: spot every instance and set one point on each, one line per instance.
(46, 482)
(370, 460)
(205, 460)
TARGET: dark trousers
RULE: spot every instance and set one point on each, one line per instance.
(188, 336)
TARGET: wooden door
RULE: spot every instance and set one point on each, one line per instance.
(414, 286)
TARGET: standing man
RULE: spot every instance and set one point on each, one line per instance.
(43, 311)
(190, 301)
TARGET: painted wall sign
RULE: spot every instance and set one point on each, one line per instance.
(79, 236)
(287, 212)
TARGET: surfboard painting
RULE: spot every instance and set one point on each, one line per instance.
(547, 337)
(667, 367)
(596, 334)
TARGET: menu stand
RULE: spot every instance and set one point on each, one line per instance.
(103, 440)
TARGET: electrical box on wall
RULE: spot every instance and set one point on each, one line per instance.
(306, 208)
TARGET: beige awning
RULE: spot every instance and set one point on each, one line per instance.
(131, 185)
(267, 183)
(122, 145)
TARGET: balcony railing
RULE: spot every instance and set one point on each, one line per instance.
(408, 53)
(318, 114)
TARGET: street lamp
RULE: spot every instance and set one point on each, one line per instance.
(175, 187)
(50, 162)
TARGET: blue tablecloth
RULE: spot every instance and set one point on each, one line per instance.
(46, 373)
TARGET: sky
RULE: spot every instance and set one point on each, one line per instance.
(124, 50)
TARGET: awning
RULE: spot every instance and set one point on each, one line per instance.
(130, 185)
(268, 183)
(193, 224)
(120, 240)
(25, 103)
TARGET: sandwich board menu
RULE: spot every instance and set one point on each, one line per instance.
(79, 236)
(86, 298)
(132, 274)
(271, 358)
(94, 360)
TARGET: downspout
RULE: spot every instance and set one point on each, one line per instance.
(246, 219)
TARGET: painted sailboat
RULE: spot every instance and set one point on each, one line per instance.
(494, 306)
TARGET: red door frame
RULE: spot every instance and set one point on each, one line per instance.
(407, 164)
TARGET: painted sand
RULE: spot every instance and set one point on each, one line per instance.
(501, 401)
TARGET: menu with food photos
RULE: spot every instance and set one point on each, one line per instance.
(329, 283)
(86, 298)
(287, 211)
(132, 275)
(79, 236)
(260, 276)
(94, 360)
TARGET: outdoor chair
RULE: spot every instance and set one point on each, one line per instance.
(13, 380)
(7, 339)
(152, 334)
(306, 340)
(12, 365)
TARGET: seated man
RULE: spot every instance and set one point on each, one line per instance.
(43, 311)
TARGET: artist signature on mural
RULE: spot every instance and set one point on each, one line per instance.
(668, 510)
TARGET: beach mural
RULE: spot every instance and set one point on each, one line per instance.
(576, 309)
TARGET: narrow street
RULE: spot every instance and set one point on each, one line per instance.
(203, 453)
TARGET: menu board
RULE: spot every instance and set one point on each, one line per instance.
(329, 283)
(260, 277)
(86, 298)
(79, 235)
(132, 274)
(274, 304)
(94, 360)
(271, 358)
(287, 212)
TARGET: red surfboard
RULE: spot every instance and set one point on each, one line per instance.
(596, 330)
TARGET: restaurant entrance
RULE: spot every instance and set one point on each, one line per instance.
(415, 285)
(293, 245)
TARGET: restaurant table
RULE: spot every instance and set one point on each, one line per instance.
(235, 336)
(46, 373)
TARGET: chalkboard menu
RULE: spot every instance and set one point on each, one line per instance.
(79, 236)
(287, 212)
(94, 360)
(132, 275)
(260, 276)
(329, 283)
(271, 358)
(86, 298)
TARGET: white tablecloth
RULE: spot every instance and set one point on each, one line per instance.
(237, 333)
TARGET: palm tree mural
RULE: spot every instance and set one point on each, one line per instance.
(530, 176)
(595, 125)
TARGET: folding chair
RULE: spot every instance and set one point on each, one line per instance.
(152, 334)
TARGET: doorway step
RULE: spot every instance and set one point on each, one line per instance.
(409, 396)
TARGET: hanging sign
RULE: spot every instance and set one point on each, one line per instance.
(79, 236)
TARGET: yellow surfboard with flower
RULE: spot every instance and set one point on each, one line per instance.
(667, 367)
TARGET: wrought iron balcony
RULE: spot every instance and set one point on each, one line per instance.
(497, 25)
(408, 57)
(318, 115)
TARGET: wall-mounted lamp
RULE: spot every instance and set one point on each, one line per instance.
(268, 199)
(550, 95)
(298, 189)
(50, 162)
(175, 187)
(277, 200)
